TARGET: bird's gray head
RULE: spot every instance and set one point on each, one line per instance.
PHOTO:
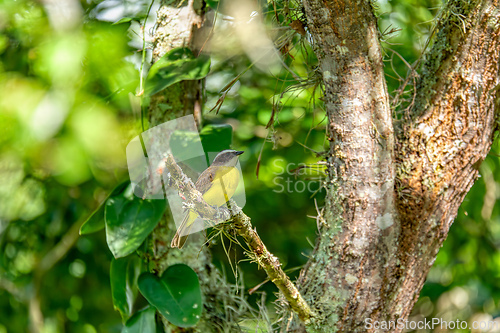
(226, 157)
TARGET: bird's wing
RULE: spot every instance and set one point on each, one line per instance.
(223, 186)
(206, 178)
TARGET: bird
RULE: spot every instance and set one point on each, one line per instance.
(217, 185)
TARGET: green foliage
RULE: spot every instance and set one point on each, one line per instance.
(216, 137)
(129, 220)
(141, 322)
(66, 117)
(127, 20)
(176, 294)
(67, 111)
(124, 273)
(176, 65)
(95, 222)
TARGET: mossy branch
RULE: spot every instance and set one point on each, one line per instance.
(243, 227)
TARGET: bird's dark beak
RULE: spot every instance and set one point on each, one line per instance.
(239, 152)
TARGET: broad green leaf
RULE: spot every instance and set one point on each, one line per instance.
(141, 322)
(177, 65)
(215, 138)
(95, 222)
(124, 273)
(129, 220)
(176, 295)
(214, 4)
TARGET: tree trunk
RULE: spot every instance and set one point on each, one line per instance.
(182, 24)
(394, 186)
(177, 101)
(389, 206)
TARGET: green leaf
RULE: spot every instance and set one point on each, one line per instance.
(125, 20)
(176, 295)
(141, 322)
(214, 4)
(124, 273)
(177, 65)
(95, 222)
(216, 138)
(129, 220)
(183, 143)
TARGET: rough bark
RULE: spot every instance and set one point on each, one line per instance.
(390, 198)
(344, 278)
(176, 101)
(442, 144)
(179, 24)
(389, 207)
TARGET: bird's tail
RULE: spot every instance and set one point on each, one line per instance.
(183, 231)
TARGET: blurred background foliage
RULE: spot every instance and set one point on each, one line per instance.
(68, 107)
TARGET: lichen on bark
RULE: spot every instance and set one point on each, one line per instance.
(181, 24)
(393, 222)
(390, 199)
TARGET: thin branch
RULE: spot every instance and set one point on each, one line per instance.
(243, 226)
(272, 266)
(143, 60)
(12, 289)
(49, 260)
(60, 250)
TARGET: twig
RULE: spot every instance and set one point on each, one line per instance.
(48, 261)
(12, 289)
(243, 226)
(60, 250)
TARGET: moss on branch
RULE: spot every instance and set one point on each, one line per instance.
(243, 227)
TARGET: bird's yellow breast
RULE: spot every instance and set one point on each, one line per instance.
(223, 186)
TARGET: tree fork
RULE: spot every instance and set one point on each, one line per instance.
(379, 240)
